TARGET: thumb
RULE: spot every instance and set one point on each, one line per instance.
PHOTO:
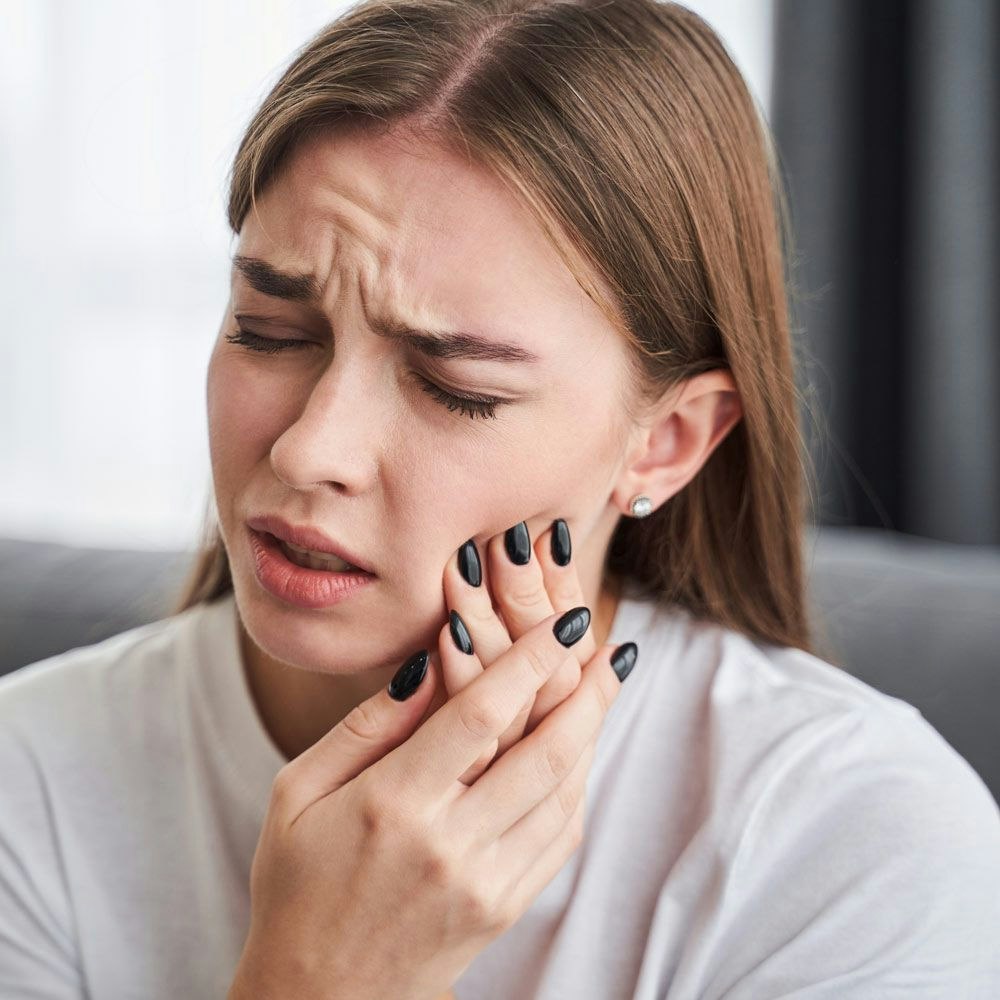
(364, 736)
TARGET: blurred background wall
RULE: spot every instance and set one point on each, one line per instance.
(887, 116)
(118, 122)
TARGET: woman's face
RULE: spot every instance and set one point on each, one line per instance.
(342, 431)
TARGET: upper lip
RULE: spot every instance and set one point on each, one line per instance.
(306, 536)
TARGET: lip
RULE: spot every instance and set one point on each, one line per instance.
(307, 537)
(298, 585)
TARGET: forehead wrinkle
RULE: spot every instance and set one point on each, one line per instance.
(446, 344)
(306, 288)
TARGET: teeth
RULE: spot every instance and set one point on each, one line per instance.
(313, 560)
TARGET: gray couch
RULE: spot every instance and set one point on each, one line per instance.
(917, 619)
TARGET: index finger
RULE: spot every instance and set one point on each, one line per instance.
(433, 759)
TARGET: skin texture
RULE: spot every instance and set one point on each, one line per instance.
(339, 434)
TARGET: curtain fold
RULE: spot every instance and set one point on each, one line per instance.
(886, 122)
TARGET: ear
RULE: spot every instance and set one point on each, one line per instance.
(676, 440)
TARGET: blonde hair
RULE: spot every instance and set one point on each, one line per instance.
(630, 133)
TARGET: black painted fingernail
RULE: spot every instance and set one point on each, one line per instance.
(572, 625)
(623, 660)
(561, 549)
(469, 565)
(518, 544)
(407, 679)
(460, 633)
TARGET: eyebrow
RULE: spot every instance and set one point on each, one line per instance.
(300, 287)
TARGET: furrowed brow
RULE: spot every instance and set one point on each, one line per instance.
(298, 287)
(268, 280)
(448, 344)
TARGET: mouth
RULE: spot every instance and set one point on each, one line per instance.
(307, 546)
(293, 577)
(307, 558)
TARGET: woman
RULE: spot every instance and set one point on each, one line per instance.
(503, 396)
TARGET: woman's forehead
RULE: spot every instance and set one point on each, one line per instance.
(430, 241)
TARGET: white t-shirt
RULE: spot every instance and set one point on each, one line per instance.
(759, 825)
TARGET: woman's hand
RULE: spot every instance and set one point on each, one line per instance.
(378, 872)
(524, 594)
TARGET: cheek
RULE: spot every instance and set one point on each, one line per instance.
(479, 481)
(558, 464)
(245, 415)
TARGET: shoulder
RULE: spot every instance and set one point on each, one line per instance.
(105, 695)
(774, 713)
(81, 729)
(859, 846)
(867, 860)
(749, 698)
(51, 689)
(76, 733)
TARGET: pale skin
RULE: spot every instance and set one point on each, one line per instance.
(339, 433)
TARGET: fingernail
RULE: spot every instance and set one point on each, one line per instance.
(623, 659)
(561, 548)
(407, 679)
(518, 544)
(572, 625)
(469, 565)
(460, 633)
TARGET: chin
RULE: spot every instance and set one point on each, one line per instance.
(323, 645)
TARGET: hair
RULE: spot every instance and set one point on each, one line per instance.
(627, 129)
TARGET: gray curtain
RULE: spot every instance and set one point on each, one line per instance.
(885, 114)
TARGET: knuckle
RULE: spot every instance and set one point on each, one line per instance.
(480, 904)
(524, 596)
(371, 817)
(538, 662)
(504, 917)
(568, 797)
(386, 807)
(281, 786)
(480, 716)
(486, 758)
(362, 722)
(379, 813)
(479, 613)
(560, 754)
(438, 868)
(566, 594)
(568, 675)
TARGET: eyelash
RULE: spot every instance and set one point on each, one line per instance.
(485, 407)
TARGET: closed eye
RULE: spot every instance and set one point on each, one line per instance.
(264, 345)
(482, 406)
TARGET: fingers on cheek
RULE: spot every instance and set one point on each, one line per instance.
(561, 583)
(543, 544)
(457, 667)
(462, 595)
(498, 563)
(455, 588)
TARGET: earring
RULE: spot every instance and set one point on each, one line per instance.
(640, 505)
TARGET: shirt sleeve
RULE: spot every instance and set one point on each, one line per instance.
(37, 943)
(869, 869)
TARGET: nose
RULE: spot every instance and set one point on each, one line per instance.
(338, 435)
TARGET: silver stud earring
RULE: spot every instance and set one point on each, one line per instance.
(640, 505)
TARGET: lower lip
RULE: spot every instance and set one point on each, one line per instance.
(307, 588)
